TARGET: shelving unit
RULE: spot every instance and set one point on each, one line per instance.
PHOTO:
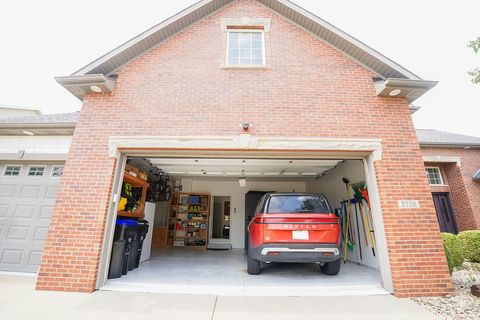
(136, 183)
(189, 214)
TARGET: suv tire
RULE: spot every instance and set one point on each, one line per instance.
(253, 266)
(331, 268)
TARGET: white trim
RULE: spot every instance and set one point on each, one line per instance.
(264, 57)
(38, 166)
(246, 22)
(362, 147)
(443, 159)
(12, 165)
(381, 247)
(53, 169)
(442, 183)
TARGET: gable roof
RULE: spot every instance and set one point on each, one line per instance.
(371, 59)
(430, 137)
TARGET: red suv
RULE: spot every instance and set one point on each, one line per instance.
(294, 227)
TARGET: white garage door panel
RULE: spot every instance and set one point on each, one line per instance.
(26, 205)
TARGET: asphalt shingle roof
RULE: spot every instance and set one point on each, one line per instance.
(43, 119)
(434, 137)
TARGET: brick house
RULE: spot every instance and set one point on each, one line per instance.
(453, 164)
(253, 81)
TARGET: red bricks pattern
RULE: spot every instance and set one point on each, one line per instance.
(308, 90)
(464, 191)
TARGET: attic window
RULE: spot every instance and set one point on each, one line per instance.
(246, 47)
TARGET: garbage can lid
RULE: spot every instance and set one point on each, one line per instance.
(127, 222)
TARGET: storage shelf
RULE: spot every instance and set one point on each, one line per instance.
(126, 214)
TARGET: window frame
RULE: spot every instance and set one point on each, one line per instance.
(38, 166)
(442, 182)
(246, 30)
(12, 165)
(53, 169)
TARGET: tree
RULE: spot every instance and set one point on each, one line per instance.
(475, 73)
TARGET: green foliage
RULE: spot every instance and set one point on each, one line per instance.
(453, 250)
(471, 245)
(475, 73)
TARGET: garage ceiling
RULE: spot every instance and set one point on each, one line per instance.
(267, 168)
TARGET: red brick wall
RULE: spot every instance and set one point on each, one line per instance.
(464, 191)
(308, 90)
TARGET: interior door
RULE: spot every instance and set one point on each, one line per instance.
(445, 215)
(251, 200)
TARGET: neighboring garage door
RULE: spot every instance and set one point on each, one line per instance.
(27, 197)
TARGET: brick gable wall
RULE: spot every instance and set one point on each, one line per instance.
(308, 90)
(464, 191)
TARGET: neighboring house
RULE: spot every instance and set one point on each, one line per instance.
(298, 87)
(33, 151)
(452, 162)
(14, 111)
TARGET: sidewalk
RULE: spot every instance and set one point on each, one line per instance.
(18, 300)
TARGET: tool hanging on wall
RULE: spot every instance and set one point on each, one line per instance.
(357, 204)
(358, 231)
(348, 238)
(369, 227)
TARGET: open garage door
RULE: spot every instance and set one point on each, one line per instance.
(27, 197)
(180, 260)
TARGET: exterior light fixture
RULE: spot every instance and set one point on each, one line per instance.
(96, 89)
(395, 92)
(28, 133)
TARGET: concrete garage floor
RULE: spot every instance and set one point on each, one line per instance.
(197, 271)
(18, 301)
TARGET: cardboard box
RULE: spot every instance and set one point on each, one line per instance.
(143, 176)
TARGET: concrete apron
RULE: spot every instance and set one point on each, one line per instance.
(19, 301)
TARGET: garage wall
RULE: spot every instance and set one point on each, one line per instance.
(332, 186)
(237, 195)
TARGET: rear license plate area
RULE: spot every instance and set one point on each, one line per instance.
(300, 235)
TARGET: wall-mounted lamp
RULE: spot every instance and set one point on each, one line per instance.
(245, 126)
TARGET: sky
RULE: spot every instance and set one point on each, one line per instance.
(44, 39)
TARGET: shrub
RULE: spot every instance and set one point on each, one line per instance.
(471, 245)
(453, 250)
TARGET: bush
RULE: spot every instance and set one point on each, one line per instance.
(471, 245)
(453, 250)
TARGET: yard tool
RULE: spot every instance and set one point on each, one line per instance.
(358, 232)
(347, 183)
(372, 243)
(357, 202)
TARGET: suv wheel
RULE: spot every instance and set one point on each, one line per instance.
(331, 268)
(253, 266)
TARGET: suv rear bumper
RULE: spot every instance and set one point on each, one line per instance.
(294, 252)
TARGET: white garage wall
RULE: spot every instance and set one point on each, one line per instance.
(237, 195)
(332, 186)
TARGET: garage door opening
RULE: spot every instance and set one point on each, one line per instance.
(198, 211)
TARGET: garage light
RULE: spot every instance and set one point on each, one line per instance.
(272, 173)
(395, 92)
(290, 174)
(233, 173)
(28, 133)
(215, 173)
(242, 182)
(96, 89)
(309, 173)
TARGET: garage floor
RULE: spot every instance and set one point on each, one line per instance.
(198, 271)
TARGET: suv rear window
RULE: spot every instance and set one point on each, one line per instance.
(297, 204)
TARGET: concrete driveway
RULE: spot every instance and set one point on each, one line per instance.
(18, 300)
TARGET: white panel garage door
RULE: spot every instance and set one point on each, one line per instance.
(27, 197)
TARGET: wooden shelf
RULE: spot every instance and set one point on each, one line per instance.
(135, 182)
(126, 214)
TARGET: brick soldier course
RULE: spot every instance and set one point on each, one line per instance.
(308, 89)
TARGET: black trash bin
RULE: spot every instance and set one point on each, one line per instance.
(132, 259)
(142, 234)
(125, 231)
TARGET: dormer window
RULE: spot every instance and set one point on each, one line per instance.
(245, 47)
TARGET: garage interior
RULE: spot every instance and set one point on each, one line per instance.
(196, 237)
